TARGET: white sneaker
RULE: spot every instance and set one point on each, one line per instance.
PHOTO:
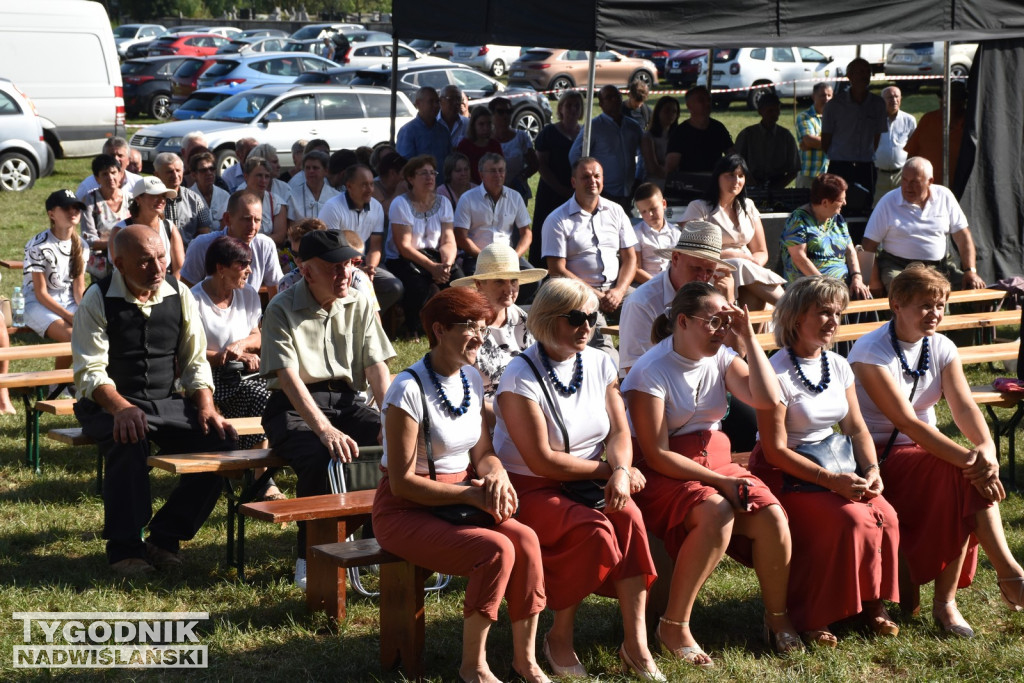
(300, 574)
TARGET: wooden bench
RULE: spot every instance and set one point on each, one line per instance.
(32, 386)
(990, 399)
(11, 264)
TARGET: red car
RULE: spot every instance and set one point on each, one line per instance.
(183, 80)
(193, 45)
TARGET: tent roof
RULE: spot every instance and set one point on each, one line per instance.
(622, 24)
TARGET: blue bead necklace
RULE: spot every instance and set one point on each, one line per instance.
(922, 364)
(826, 375)
(445, 403)
(577, 373)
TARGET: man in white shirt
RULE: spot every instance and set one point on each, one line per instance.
(912, 224)
(890, 155)
(119, 149)
(234, 176)
(590, 238)
(241, 221)
(489, 213)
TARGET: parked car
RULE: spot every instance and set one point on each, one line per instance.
(184, 78)
(658, 57)
(548, 69)
(925, 59)
(753, 71)
(378, 53)
(127, 35)
(530, 110)
(147, 85)
(254, 44)
(336, 76)
(260, 67)
(24, 154)
(347, 117)
(202, 101)
(224, 31)
(318, 31)
(141, 48)
(492, 59)
(683, 67)
(434, 48)
(262, 33)
(192, 44)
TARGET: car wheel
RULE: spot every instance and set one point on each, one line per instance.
(757, 91)
(645, 77)
(17, 172)
(561, 83)
(528, 120)
(959, 72)
(226, 158)
(160, 106)
(498, 68)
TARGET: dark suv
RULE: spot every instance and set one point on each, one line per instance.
(530, 109)
(147, 85)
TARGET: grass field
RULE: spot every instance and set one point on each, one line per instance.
(51, 559)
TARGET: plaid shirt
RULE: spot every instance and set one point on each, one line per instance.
(813, 162)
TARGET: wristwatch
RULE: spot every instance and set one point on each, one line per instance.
(972, 269)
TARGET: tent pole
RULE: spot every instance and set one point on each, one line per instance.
(394, 85)
(589, 109)
(946, 90)
(711, 65)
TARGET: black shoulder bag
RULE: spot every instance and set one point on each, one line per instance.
(589, 492)
(896, 432)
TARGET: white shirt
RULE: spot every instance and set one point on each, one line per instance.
(266, 268)
(451, 437)
(810, 415)
(426, 226)
(693, 390)
(875, 348)
(890, 154)
(218, 205)
(491, 221)
(649, 240)
(639, 310)
(337, 214)
(227, 325)
(302, 203)
(589, 243)
(906, 230)
(234, 177)
(584, 414)
(90, 184)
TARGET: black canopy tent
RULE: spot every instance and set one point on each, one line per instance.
(990, 174)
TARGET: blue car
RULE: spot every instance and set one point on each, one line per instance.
(202, 101)
(260, 68)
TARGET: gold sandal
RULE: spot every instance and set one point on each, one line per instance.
(782, 642)
(688, 653)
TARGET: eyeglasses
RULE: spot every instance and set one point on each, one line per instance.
(576, 318)
(474, 329)
(426, 174)
(715, 322)
(205, 169)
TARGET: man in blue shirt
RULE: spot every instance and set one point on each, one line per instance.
(425, 134)
(614, 142)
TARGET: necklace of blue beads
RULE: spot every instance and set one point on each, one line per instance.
(922, 364)
(577, 373)
(826, 375)
(442, 396)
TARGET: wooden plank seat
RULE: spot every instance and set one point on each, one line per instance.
(989, 399)
(402, 617)
(33, 351)
(11, 264)
(31, 386)
(56, 406)
(989, 353)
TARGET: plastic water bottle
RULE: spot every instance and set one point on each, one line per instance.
(18, 308)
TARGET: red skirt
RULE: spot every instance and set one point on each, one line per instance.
(500, 561)
(665, 501)
(936, 505)
(845, 552)
(584, 550)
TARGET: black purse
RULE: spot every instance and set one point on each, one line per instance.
(834, 453)
(589, 492)
(461, 514)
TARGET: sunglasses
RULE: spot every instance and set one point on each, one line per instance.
(577, 318)
(715, 322)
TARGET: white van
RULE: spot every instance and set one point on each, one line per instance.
(61, 53)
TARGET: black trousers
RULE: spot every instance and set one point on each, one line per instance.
(127, 501)
(388, 288)
(419, 286)
(292, 439)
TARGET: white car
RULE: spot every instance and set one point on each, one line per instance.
(375, 53)
(127, 35)
(925, 59)
(753, 71)
(492, 59)
(24, 156)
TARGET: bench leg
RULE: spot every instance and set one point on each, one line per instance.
(31, 431)
(402, 619)
(326, 583)
(99, 473)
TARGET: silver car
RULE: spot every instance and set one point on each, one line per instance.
(347, 117)
(925, 59)
(24, 156)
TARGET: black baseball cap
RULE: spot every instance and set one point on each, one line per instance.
(326, 245)
(63, 199)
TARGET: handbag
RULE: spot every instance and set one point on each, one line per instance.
(834, 453)
(589, 492)
(461, 514)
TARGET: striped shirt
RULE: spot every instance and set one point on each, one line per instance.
(813, 162)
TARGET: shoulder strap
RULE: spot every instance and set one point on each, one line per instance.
(425, 423)
(896, 432)
(556, 414)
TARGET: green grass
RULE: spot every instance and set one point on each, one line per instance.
(51, 559)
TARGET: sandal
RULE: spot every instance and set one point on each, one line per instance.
(782, 642)
(883, 626)
(1017, 604)
(692, 654)
(820, 638)
(957, 626)
(272, 493)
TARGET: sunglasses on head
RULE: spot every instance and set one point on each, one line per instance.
(577, 318)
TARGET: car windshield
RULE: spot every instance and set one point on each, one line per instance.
(239, 108)
(220, 68)
(535, 55)
(307, 32)
(188, 69)
(130, 68)
(125, 31)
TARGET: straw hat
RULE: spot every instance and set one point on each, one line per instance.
(700, 239)
(500, 262)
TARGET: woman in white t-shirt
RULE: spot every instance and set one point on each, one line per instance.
(147, 208)
(502, 558)
(697, 500)
(54, 272)
(258, 178)
(845, 534)
(947, 495)
(310, 196)
(558, 411)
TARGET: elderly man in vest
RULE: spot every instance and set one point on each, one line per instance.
(132, 334)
